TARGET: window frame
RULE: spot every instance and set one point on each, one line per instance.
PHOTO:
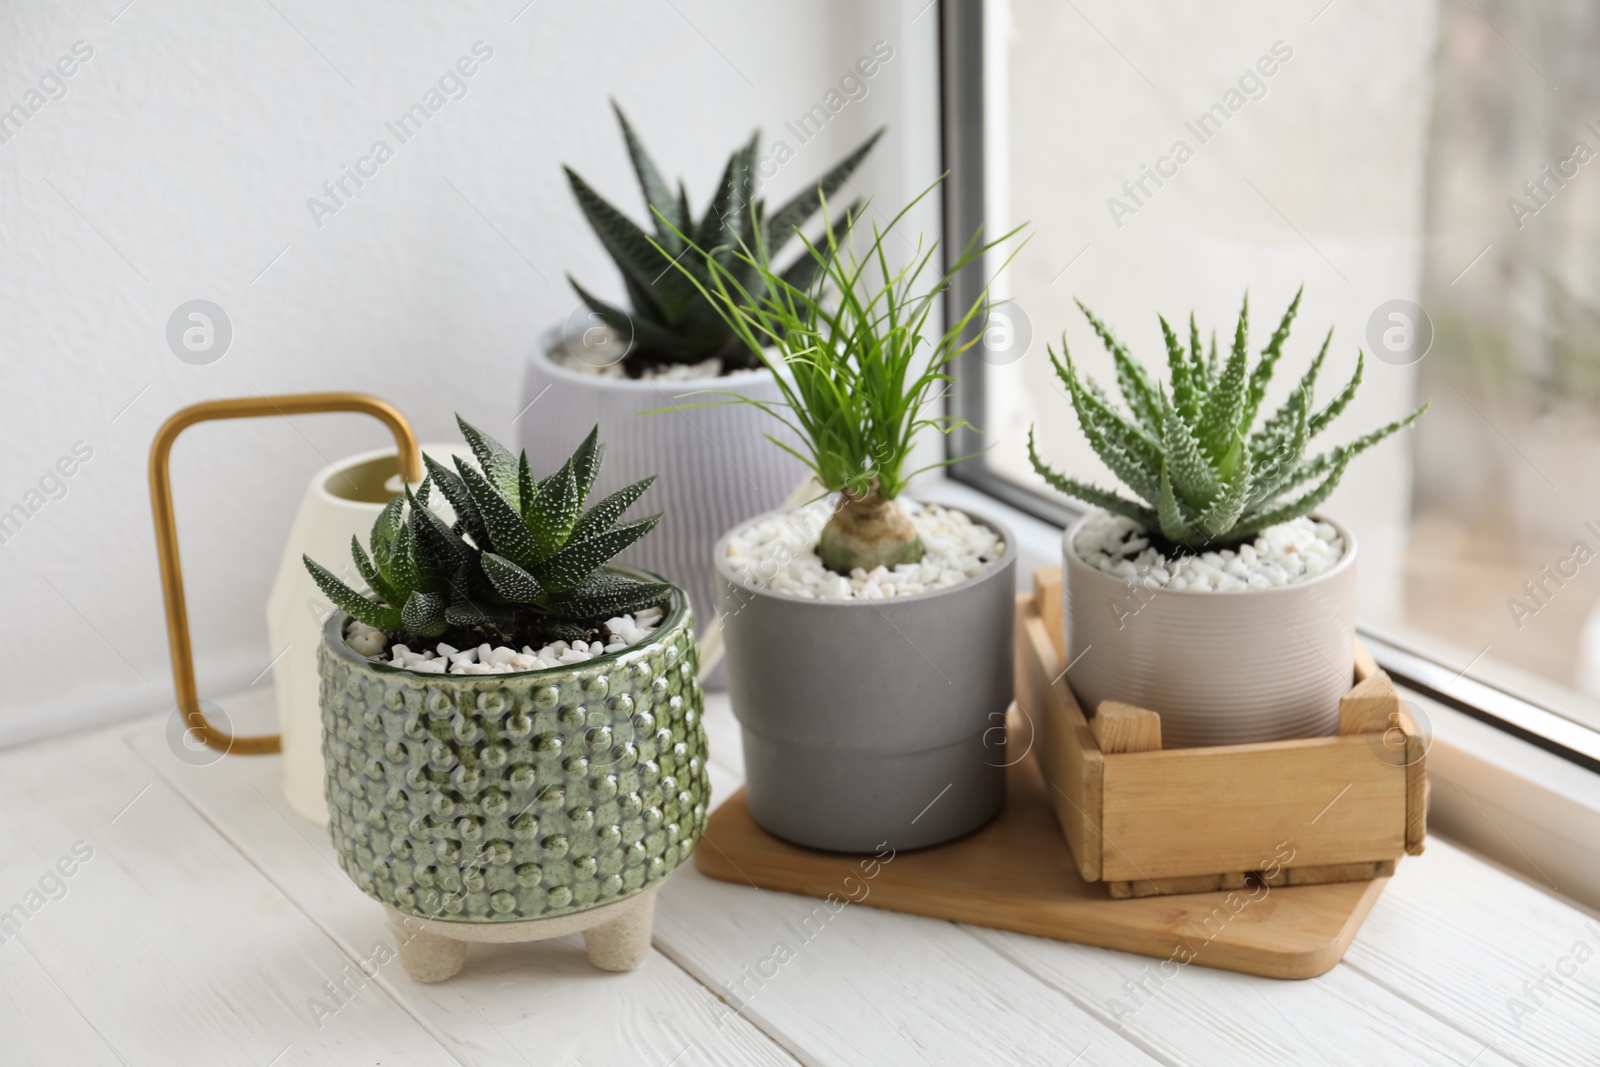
(961, 124)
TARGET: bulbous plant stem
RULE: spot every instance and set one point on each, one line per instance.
(868, 531)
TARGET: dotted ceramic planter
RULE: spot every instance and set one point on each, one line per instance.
(515, 797)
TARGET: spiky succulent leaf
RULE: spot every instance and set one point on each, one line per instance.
(1219, 517)
(423, 614)
(1321, 419)
(527, 487)
(1294, 509)
(567, 569)
(1277, 465)
(782, 223)
(1175, 525)
(402, 566)
(369, 574)
(1323, 462)
(1281, 422)
(657, 194)
(1197, 359)
(385, 529)
(1225, 403)
(455, 491)
(645, 333)
(719, 225)
(1261, 374)
(1090, 494)
(494, 459)
(599, 518)
(508, 534)
(511, 581)
(1125, 447)
(631, 250)
(438, 551)
(1138, 388)
(1189, 471)
(1185, 395)
(351, 602)
(586, 462)
(606, 596)
(554, 512)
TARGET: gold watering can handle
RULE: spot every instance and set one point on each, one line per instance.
(167, 532)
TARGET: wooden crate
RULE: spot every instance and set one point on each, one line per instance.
(1148, 821)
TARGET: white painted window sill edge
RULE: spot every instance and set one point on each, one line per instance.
(1526, 809)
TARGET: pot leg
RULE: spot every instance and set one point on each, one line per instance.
(426, 957)
(623, 943)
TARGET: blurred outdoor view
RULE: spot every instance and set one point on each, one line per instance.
(1445, 154)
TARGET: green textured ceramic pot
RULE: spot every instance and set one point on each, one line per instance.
(512, 797)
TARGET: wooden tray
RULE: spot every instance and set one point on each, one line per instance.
(1017, 874)
(1148, 821)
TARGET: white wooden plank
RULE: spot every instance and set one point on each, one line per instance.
(38, 1022)
(867, 986)
(1462, 937)
(172, 947)
(540, 1003)
(1196, 1015)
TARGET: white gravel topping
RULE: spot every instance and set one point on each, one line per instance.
(1280, 555)
(661, 372)
(620, 633)
(780, 553)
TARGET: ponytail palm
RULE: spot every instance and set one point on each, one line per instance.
(859, 362)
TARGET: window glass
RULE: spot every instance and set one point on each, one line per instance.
(1431, 174)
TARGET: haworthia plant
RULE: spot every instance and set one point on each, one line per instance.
(1207, 475)
(669, 318)
(523, 562)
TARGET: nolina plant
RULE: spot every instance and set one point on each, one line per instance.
(1208, 479)
(858, 362)
(671, 320)
(523, 563)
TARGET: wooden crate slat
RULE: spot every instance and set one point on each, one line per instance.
(1322, 800)
(1061, 739)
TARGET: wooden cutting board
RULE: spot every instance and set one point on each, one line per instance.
(1017, 874)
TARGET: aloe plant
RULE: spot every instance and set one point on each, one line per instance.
(524, 563)
(1207, 476)
(670, 319)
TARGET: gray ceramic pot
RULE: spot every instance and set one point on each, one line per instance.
(868, 722)
(1222, 668)
(510, 797)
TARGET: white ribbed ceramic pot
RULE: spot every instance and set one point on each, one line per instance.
(715, 467)
(1222, 668)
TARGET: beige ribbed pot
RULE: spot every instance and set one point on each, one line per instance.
(1222, 668)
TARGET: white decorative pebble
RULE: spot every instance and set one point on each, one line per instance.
(1280, 555)
(780, 553)
(618, 634)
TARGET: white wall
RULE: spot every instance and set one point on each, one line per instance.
(178, 164)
